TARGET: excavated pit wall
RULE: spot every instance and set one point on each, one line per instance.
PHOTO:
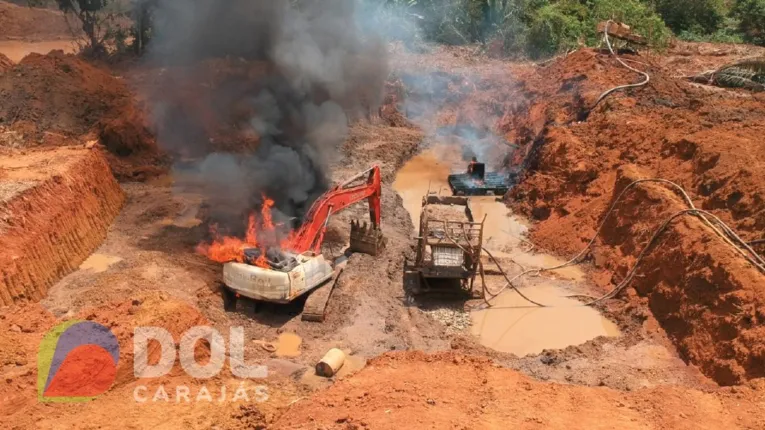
(59, 213)
(707, 297)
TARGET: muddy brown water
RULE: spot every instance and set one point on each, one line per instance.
(511, 325)
(288, 345)
(429, 171)
(514, 325)
(15, 50)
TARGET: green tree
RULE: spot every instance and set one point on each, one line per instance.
(556, 27)
(695, 16)
(92, 16)
(536, 27)
(751, 14)
(142, 14)
(565, 24)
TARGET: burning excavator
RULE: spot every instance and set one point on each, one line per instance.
(281, 273)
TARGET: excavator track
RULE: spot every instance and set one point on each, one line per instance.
(315, 308)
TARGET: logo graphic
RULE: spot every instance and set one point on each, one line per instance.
(76, 362)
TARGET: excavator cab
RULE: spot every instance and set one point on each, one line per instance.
(478, 182)
(476, 170)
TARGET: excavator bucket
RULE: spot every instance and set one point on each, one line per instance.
(366, 239)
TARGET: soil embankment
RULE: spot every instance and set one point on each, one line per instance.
(705, 296)
(33, 24)
(5, 63)
(16, 50)
(56, 207)
(61, 100)
(415, 390)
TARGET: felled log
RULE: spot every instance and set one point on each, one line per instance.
(621, 31)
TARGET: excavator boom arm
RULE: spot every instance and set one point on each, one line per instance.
(311, 234)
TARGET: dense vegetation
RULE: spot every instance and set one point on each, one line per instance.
(539, 28)
(533, 28)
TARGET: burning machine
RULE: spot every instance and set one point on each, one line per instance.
(479, 182)
(281, 275)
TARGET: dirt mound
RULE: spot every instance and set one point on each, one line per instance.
(704, 140)
(61, 93)
(415, 390)
(706, 296)
(691, 58)
(55, 208)
(59, 99)
(20, 22)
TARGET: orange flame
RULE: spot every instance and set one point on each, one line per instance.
(252, 236)
(224, 249)
(265, 212)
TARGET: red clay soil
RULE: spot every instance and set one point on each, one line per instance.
(709, 300)
(5, 63)
(20, 22)
(55, 209)
(59, 99)
(447, 390)
(26, 325)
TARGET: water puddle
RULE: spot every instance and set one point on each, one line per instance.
(429, 171)
(536, 261)
(421, 173)
(288, 345)
(515, 326)
(512, 325)
(15, 50)
(99, 263)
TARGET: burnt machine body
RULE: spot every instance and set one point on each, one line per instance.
(448, 248)
(300, 268)
(479, 182)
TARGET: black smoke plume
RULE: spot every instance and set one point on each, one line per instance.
(320, 69)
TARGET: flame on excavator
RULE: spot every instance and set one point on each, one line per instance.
(263, 235)
(224, 248)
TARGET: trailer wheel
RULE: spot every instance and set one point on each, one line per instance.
(229, 299)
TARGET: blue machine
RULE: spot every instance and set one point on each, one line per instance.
(480, 183)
